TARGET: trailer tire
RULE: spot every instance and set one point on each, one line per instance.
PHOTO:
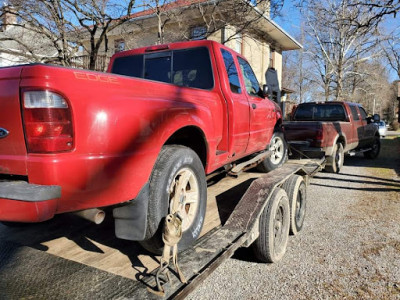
(376, 147)
(274, 225)
(279, 154)
(335, 162)
(296, 190)
(177, 183)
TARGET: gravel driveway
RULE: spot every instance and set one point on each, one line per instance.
(349, 247)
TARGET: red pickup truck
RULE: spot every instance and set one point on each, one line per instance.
(332, 129)
(140, 138)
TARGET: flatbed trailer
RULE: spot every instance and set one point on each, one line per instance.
(236, 207)
(241, 229)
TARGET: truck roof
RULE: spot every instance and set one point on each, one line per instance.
(165, 47)
(330, 102)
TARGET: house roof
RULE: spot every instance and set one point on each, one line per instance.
(280, 37)
(277, 33)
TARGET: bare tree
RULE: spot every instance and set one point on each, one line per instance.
(36, 25)
(61, 25)
(210, 15)
(391, 50)
(337, 44)
(378, 10)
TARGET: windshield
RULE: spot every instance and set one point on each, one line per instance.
(320, 112)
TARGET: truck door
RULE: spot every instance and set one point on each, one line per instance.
(262, 111)
(357, 127)
(369, 129)
(237, 105)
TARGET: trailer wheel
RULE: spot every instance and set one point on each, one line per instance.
(375, 149)
(177, 184)
(335, 162)
(279, 153)
(274, 225)
(296, 190)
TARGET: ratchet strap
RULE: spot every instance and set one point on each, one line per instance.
(171, 236)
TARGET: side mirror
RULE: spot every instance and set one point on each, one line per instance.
(265, 89)
(376, 118)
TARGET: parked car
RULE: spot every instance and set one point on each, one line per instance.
(381, 128)
(332, 129)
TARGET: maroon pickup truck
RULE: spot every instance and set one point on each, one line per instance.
(332, 129)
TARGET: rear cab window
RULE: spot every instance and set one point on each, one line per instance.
(318, 112)
(187, 67)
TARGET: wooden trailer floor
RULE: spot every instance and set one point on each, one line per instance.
(70, 237)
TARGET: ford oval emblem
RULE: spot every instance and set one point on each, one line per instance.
(3, 133)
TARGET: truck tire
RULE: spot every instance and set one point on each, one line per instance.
(296, 190)
(279, 152)
(177, 183)
(335, 162)
(375, 149)
(274, 225)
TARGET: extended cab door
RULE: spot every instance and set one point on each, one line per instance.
(357, 128)
(237, 106)
(262, 111)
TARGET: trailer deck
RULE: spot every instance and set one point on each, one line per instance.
(70, 258)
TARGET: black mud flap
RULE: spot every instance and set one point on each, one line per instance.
(131, 219)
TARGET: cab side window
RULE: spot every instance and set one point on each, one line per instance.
(250, 80)
(354, 113)
(363, 113)
(231, 72)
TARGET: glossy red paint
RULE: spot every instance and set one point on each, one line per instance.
(24, 211)
(120, 124)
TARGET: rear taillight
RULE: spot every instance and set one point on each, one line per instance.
(47, 121)
(320, 135)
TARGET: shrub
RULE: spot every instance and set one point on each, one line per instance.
(395, 125)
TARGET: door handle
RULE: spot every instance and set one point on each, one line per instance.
(254, 106)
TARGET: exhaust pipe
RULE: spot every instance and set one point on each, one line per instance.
(94, 215)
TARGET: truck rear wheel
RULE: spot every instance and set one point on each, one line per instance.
(177, 184)
(295, 188)
(278, 148)
(335, 162)
(274, 225)
(375, 149)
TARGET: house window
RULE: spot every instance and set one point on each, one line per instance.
(119, 45)
(198, 33)
(272, 59)
(238, 43)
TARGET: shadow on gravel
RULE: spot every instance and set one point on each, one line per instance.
(391, 186)
(389, 157)
(381, 167)
(366, 189)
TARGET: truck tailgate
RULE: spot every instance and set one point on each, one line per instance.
(301, 131)
(12, 141)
